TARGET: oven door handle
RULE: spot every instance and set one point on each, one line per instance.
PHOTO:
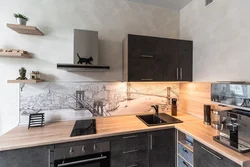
(82, 161)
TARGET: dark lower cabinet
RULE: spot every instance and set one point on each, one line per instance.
(152, 149)
(29, 157)
(129, 150)
(162, 148)
(205, 157)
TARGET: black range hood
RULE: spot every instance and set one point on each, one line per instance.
(85, 53)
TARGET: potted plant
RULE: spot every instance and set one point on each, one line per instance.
(21, 19)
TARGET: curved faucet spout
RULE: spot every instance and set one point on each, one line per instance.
(156, 107)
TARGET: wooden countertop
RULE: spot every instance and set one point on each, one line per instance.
(54, 133)
(59, 132)
(204, 134)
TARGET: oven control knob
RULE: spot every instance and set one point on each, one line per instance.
(95, 147)
(71, 151)
(83, 149)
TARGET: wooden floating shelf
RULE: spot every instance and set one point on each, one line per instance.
(30, 81)
(14, 55)
(22, 29)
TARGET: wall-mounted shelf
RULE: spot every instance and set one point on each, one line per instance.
(22, 29)
(25, 81)
(14, 55)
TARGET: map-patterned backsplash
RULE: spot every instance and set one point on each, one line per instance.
(80, 100)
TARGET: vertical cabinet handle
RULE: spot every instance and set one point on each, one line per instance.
(50, 164)
(210, 152)
(151, 141)
(177, 74)
(181, 73)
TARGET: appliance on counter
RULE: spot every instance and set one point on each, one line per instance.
(85, 53)
(235, 130)
(84, 127)
(87, 155)
(207, 114)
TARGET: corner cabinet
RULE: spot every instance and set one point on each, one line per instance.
(162, 148)
(157, 59)
(206, 157)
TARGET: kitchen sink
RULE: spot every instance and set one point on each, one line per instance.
(161, 119)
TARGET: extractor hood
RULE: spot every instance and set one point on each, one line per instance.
(85, 53)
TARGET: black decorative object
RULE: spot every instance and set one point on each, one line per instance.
(36, 120)
(84, 60)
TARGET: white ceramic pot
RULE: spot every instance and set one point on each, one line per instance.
(21, 21)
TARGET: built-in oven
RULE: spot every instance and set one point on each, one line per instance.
(90, 155)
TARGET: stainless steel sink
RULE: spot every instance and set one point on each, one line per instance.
(161, 119)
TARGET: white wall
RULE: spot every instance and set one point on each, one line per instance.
(57, 19)
(221, 35)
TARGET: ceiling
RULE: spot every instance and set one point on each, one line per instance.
(173, 4)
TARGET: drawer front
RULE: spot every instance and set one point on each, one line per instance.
(185, 153)
(205, 157)
(182, 163)
(143, 163)
(129, 155)
(128, 141)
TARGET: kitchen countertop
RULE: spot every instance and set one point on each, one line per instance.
(204, 134)
(54, 133)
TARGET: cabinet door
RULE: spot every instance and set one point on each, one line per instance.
(144, 58)
(185, 60)
(205, 157)
(170, 60)
(162, 148)
(28, 157)
(144, 47)
(144, 70)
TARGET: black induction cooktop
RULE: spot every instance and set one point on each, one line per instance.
(84, 127)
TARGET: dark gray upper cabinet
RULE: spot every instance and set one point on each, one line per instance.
(157, 59)
(185, 59)
(177, 60)
(170, 60)
(206, 157)
(28, 157)
(162, 148)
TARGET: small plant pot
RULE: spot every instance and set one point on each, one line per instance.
(21, 21)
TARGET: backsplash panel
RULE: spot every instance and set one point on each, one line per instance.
(72, 101)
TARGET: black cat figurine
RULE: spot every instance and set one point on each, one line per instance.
(84, 60)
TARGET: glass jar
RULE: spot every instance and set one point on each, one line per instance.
(215, 119)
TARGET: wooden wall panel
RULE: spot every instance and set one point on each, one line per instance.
(193, 96)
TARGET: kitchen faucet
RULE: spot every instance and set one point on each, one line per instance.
(156, 107)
